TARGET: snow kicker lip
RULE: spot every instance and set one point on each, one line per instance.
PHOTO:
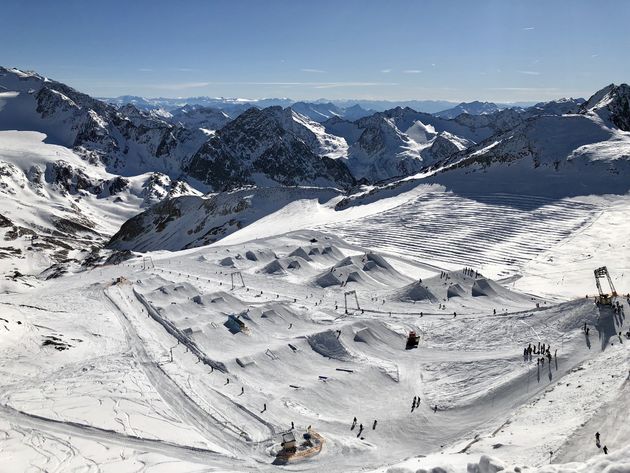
(328, 345)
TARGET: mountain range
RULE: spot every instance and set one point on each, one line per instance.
(75, 169)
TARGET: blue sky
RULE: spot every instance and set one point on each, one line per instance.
(501, 50)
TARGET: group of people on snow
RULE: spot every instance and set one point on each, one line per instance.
(543, 350)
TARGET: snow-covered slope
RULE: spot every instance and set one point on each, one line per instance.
(612, 105)
(471, 108)
(270, 145)
(58, 208)
(395, 143)
(126, 141)
(322, 111)
(556, 107)
(195, 116)
(553, 155)
(187, 222)
(203, 359)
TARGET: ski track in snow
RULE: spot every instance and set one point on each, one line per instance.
(486, 232)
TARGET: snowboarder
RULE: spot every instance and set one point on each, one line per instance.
(605, 450)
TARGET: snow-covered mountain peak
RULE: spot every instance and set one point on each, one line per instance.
(471, 108)
(612, 104)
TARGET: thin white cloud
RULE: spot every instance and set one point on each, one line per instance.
(529, 73)
(332, 85)
(185, 69)
(386, 71)
(315, 71)
(529, 28)
(526, 89)
(182, 85)
(412, 71)
(316, 85)
(145, 69)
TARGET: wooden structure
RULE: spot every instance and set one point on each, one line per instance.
(292, 451)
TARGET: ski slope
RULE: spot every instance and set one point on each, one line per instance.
(127, 366)
(495, 232)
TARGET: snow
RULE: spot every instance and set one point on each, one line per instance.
(35, 196)
(201, 359)
(118, 387)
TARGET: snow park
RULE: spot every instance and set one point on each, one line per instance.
(428, 271)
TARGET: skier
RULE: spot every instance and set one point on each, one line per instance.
(435, 408)
(597, 437)
(242, 390)
(374, 425)
(605, 450)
